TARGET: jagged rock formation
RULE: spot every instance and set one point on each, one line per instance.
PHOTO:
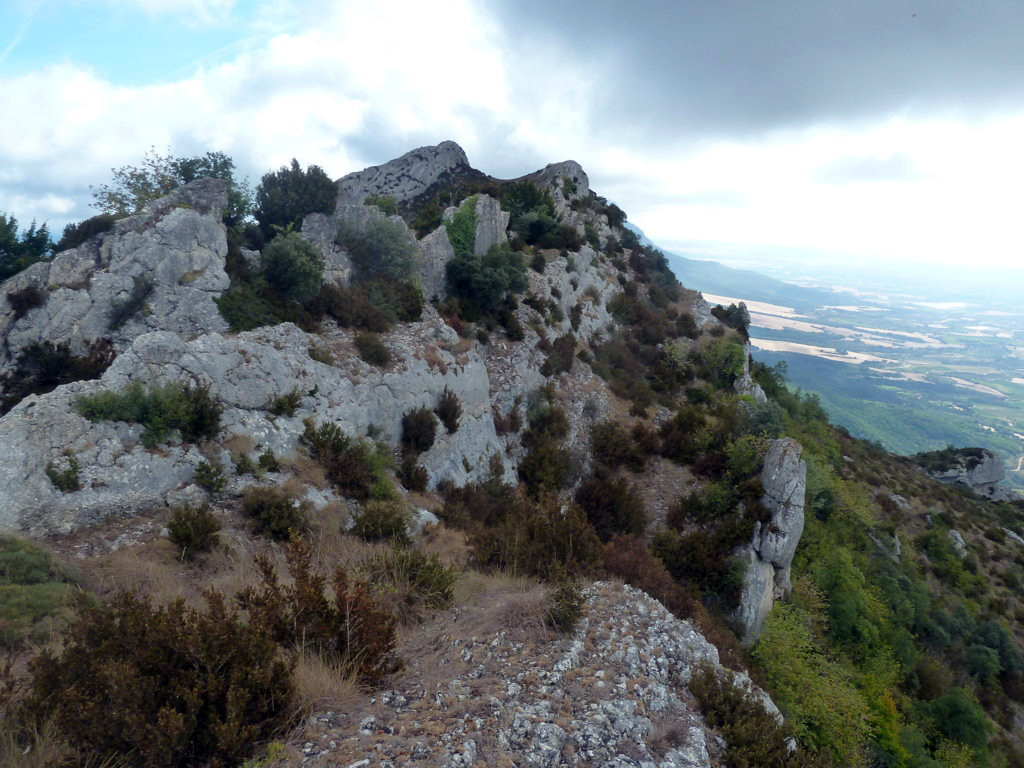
(177, 242)
(771, 551)
(406, 177)
(180, 241)
(980, 469)
(617, 687)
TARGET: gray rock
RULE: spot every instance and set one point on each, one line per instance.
(403, 178)
(957, 539)
(771, 551)
(244, 373)
(982, 475)
(178, 243)
(552, 178)
(321, 230)
(435, 253)
(491, 224)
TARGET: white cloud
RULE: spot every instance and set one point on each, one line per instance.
(349, 84)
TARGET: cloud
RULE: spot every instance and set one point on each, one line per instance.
(690, 67)
(851, 170)
(703, 145)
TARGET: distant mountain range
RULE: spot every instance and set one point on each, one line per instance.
(712, 277)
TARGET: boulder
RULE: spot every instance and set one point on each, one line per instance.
(770, 553)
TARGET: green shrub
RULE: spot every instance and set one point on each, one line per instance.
(419, 428)
(449, 410)
(561, 357)
(42, 366)
(286, 404)
(285, 196)
(382, 521)
(612, 505)
(293, 267)
(412, 476)
(210, 477)
(160, 409)
(28, 298)
(351, 307)
(958, 716)
(482, 283)
(564, 605)
(268, 462)
(420, 580)
(614, 447)
(538, 263)
(753, 737)
(274, 513)
(162, 686)
(65, 480)
(34, 591)
(193, 530)
(372, 350)
(77, 233)
(462, 228)
(355, 467)
(386, 203)
(542, 537)
(123, 310)
(347, 627)
(245, 305)
(380, 250)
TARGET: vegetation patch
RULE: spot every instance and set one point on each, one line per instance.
(169, 686)
(274, 513)
(161, 409)
(372, 350)
(345, 627)
(28, 298)
(357, 468)
(194, 530)
(34, 592)
(123, 310)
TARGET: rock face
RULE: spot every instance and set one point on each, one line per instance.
(979, 469)
(245, 372)
(615, 693)
(176, 242)
(403, 178)
(771, 551)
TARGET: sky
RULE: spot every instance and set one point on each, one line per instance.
(877, 134)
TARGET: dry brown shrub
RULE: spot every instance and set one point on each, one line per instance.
(447, 544)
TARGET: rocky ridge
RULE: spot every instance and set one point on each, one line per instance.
(612, 694)
(615, 694)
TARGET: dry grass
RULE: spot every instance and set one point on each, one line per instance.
(325, 685)
(44, 747)
(447, 544)
(306, 470)
(238, 445)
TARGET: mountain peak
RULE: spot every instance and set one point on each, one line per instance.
(404, 177)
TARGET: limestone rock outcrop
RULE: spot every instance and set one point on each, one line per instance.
(980, 469)
(178, 243)
(402, 178)
(771, 550)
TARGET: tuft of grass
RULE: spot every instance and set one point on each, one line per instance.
(412, 581)
(66, 480)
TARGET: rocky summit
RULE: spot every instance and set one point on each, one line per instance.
(463, 476)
